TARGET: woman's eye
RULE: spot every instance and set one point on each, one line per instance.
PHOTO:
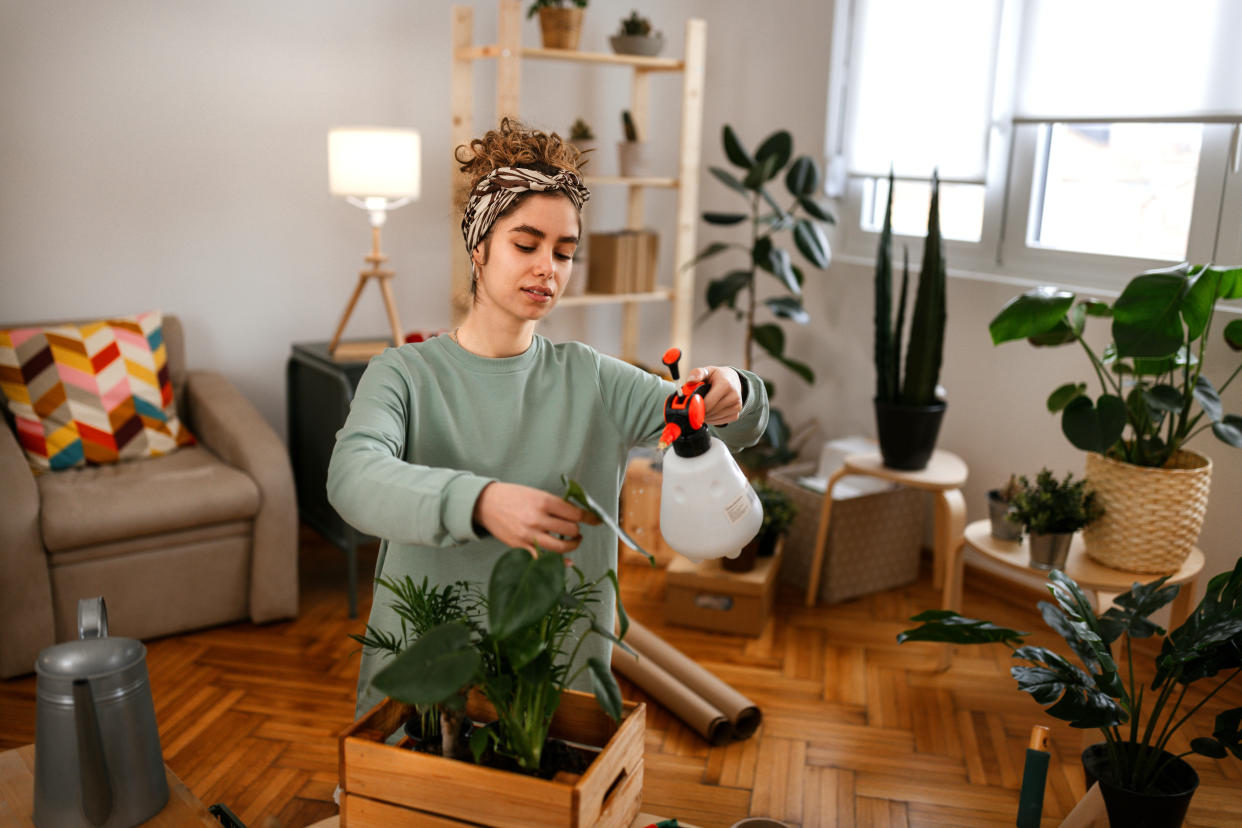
(525, 248)
(564, 258)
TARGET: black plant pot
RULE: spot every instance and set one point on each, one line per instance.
(1164, 806)
(907, 433)
(745, 560)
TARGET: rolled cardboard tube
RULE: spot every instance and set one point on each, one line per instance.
(743, 714)
(706, 720)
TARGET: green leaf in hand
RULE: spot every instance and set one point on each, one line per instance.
(433, 669)
(578, 496)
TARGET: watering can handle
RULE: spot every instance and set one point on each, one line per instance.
(92, 618)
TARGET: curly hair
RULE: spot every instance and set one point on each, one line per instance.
(514, 144)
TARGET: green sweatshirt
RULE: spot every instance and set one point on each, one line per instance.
(431, 424)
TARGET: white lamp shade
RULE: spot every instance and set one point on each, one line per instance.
(376, 162)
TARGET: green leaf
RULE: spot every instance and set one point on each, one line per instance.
(763, 170)
(480, 738)
(734, 150)
(1062, 397)
(774, 152)
(1132, 610)
(812, 243)
(1200, 297)
(1207, 746)
(1096, 308)
(1205, 643)
(1229, 430)
(1206, 395)
(1080, 616)
(580, 497)
(1164, 398)
(1147, 315)
(1060, 623)
(724, 218)
(788, 307)
(604, 685)
(1230, 283)
(729, 180)
(800, 368)
(770, 338)
(1228, 730)
(712, 249)
(523, 648)
(777, 221)
(724, 291)
(816, 210)
(1094, 427)
(776, 261)
(1035, 312)
(1233, 334)
(433, 669)
(1071, 692)
(949, 627)
(802, 179)
(522, 590)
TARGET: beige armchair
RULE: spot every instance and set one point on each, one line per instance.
(203, 536)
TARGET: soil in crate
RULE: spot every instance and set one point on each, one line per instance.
(558, 756)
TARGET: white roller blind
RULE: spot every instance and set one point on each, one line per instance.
(921, 78)
(1112, 60)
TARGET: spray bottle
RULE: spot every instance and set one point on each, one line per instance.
(707, 506)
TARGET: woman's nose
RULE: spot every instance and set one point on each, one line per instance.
(544, 265)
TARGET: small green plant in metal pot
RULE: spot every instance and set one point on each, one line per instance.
(1051, 511)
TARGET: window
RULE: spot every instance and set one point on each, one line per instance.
(1085, 140)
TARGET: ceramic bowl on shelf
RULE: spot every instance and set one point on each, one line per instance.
(644, 45)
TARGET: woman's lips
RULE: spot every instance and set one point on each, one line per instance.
(539, 295)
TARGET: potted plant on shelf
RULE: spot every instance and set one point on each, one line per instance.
(999, 501)
(632, 152)
(908, 410)
(636, 37)
(738, 289)
(1143, 783)
(779, 512)
(1155, 397)
(581, 135)
(560, 22)
(1051, 511)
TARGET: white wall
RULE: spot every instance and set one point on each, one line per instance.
(173, 155)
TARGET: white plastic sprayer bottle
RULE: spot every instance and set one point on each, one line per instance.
(707, 506)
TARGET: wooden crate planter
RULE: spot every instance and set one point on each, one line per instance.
(390, 786)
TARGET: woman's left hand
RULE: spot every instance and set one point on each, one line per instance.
(723, 403)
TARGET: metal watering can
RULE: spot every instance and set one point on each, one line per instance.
(97, 751)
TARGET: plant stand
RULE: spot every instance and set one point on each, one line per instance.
(388, 786)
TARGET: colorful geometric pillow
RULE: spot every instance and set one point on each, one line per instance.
(91, 394)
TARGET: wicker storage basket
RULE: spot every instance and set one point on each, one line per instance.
(561, 28)
(1152, 517)
(873, 542)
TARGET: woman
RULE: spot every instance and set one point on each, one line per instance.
(454, 448)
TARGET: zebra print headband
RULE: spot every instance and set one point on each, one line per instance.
(496, 191)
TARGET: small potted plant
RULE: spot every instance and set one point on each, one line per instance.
(779, 512)
(1004, 527)
(636, 37)
(580, 133)
(1051, 511)
(560, 22)
(1142, 781)
(632, 152)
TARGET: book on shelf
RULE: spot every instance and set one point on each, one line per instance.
(622, 261)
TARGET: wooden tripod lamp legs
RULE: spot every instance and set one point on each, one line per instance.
(381, 275)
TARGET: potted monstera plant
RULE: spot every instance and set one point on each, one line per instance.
(1155, 397)
(1137, 708)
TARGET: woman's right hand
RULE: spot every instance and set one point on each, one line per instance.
(525, 517)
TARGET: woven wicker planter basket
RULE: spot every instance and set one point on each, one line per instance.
(1152, 516)
(561, 28)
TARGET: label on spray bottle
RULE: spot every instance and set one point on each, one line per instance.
(737, 510)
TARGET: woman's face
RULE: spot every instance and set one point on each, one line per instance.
(529, 256)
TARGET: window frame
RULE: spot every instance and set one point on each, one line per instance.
(1013, 156)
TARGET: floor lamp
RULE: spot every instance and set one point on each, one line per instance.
(378, 170)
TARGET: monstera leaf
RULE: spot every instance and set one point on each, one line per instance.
(949, 627)
(1211, 638)
(1071, 692)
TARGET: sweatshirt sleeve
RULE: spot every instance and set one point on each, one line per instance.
(635, 400)
(371, 485)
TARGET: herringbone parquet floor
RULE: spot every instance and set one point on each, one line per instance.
(856, 732)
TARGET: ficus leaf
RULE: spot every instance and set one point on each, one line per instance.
(729, 180)
(802, 178)
(774, 152)
(724, 218)
(816, 210)
(788, 307)
(812, 243)
(734, 150)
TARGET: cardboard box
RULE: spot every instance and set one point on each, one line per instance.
(708, 597)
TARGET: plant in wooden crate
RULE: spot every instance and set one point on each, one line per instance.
(765, 218)
(1155, 397)
(1137, 773)
(1051, 511)
(908, 409)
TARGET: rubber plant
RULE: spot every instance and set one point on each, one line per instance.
(1155, 396)
(763, 252)
(916, 386)
(1137, 719)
